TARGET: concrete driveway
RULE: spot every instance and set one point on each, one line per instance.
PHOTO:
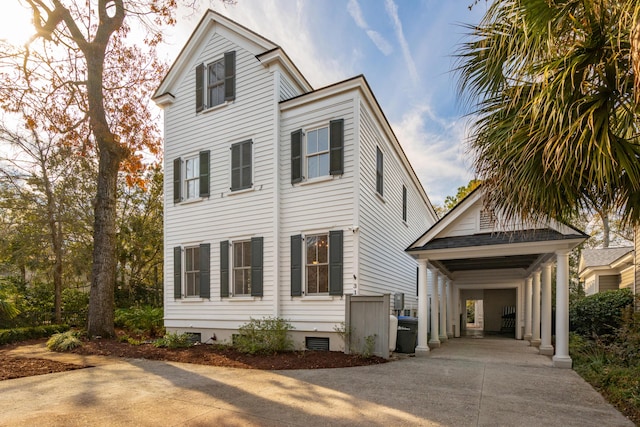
(466, 382)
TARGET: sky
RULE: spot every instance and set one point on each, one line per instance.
(404, 48)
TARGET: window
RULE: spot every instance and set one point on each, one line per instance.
(317, 264)
(195, 181)
(192, 178)
(379, 172)
(318, 152)
(404, 203)
(241, 165)
(216, 82)
(242, 268)
(246, 275)
(192, 271)
(320, 155)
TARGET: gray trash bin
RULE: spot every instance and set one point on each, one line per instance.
(407, 334)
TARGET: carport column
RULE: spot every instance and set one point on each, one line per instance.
(432, 282)
(545, 318)
(422, 348)
(456, 311)
(535, 336)
(449, 287)
(562, 358)
(527, 309)
(443, 307)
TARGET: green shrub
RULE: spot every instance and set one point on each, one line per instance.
(75, 306)
(21, 334)
(142, 320)
(64, 341)
(174, 340)
(267, 336)
(600, 314)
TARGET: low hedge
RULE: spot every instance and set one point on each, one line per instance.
(8, 336)
(600, 314)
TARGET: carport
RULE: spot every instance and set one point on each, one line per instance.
(473, 249)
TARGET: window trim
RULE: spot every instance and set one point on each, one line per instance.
(218, 84)
(306, 265)
(196, 178)
(245, 268)
(195, 273)
(307, 156)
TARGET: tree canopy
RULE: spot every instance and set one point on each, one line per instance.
(556, 126)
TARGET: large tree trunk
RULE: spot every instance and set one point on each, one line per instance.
(56, 244)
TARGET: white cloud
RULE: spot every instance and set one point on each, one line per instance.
(353, 7)
(436, 149)
(392, 11)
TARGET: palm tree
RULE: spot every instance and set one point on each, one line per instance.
(557, 125)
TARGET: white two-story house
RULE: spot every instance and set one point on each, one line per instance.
(280, 199)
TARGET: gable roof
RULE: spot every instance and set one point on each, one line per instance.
(266, 51)
(602, 257)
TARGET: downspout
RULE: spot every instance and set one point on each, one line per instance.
(356, 194)
(276, 194)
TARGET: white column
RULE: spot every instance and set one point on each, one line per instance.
(422, 349)
(432, 279)
(456, 309)
(535, 326)
(562, 358)
(545, 315)
(449, 287)
(527, 309)
(443, 307)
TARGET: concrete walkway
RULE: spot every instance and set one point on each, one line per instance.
(466, 382)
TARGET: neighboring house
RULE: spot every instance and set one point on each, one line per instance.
(606, 269)
(280, 199)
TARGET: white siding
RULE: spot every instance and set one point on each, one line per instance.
(224, 215)
(287, 89)
(314, 207)
(384, 236)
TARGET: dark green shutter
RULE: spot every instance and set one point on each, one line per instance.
(296, 265)
(404, 203)
(236, 167)
(379, 172)
(230, 76)
(204, 173)
(246, 149)
(224, 268)
(177, 272)
(205, 271)
(256, 266)
(177, 183)
(336, 144)
(199, 88)
(335, 262)
(296, 156)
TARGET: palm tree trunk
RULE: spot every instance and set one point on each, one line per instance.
(635, 55)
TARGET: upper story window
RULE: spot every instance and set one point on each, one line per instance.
(379, 172)
(191, 177)
(318, 152)
(216, 82)
(241, 154)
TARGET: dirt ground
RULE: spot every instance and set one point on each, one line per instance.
(213, 355)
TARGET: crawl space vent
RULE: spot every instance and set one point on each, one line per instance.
(316, 343)
(194, 337)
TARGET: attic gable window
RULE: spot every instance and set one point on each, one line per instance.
(216, 82)
(487, 219)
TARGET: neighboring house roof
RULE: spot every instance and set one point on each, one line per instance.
(603, 258)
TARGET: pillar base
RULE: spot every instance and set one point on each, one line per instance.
(535, 343)
(528, 337)
(434, 344)
(422, 351)
(449, 335)
(564, 362)
(547, 350)
(443, 338)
